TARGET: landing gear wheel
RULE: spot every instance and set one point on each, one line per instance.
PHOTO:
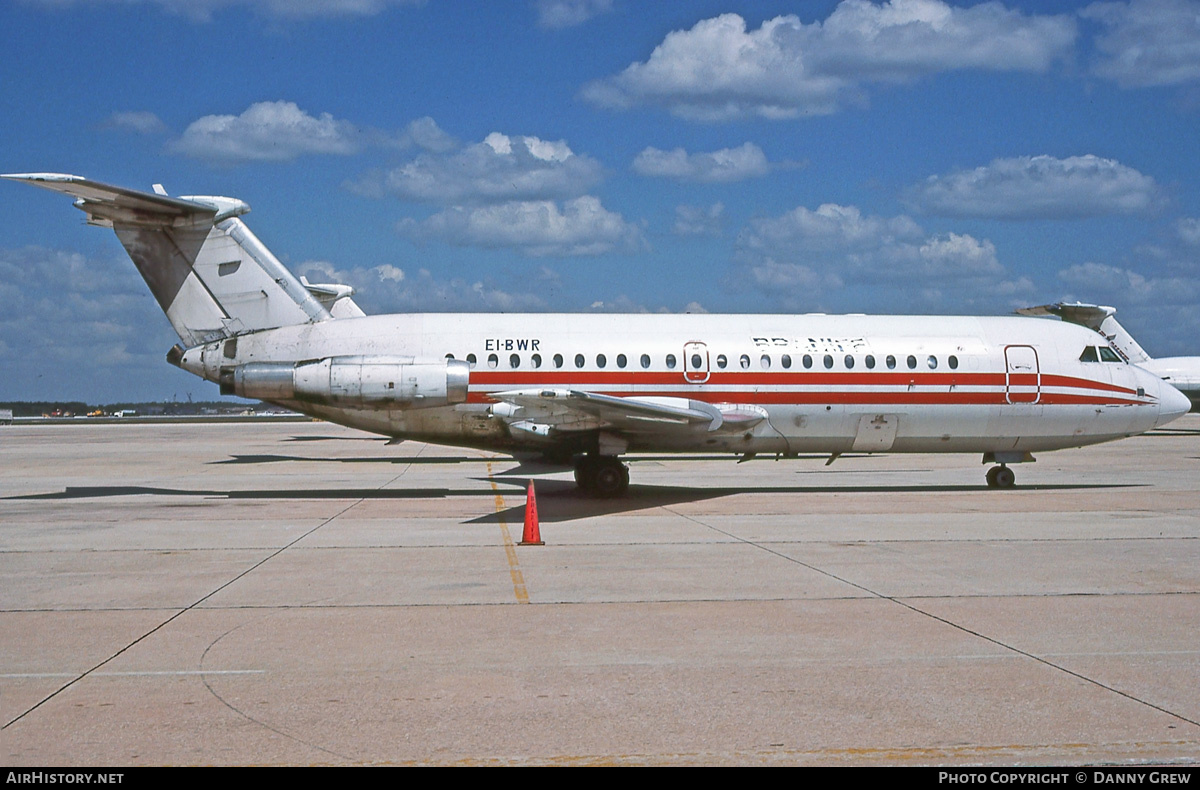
(612, 479)
(603, 476)
(1000, 477)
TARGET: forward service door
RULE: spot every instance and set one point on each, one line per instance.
(1022, 376)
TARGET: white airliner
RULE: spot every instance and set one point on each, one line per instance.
(594, 386)
(1182, 373)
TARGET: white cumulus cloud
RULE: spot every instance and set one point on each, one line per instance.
(806, 252)
(1188, 229)
(723, 166)
(274, 131)
(581, 226)
(75, 326)
(569, 13)
(499, 169)
(389, 289)
(425, 133)
(720, 70)
(1147, 42)
(140, 122)
(1118, 285)
(1039, 187)
(203, 10)
(699, 220)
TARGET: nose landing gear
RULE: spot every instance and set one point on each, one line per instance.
(1000, 477)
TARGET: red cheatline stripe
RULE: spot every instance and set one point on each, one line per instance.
(897, 398)
(551, 378)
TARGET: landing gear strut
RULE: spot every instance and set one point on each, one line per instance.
(602, 475)
(1000, 477)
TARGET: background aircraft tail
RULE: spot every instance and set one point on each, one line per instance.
(1098, 318)
(211, 276)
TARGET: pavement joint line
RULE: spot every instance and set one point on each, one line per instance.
(917, 610)
(187, 608)
(204, 676)
(510, 550)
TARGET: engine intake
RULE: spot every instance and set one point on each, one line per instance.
(360, 382)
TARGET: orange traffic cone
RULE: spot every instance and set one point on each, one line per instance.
(532, 536)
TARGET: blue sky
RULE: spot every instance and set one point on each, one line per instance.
(914, 156)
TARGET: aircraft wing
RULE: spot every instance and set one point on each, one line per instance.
(577, 410)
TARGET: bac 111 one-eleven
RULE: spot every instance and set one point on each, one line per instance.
(590, 387)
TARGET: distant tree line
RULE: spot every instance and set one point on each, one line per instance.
(36, 408)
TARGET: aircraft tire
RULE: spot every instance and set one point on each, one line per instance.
(611, 480)
(1001, 477)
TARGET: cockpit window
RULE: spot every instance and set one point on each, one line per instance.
(1089, 355)
(1108, 355)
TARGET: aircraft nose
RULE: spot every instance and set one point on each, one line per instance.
(1172, 404)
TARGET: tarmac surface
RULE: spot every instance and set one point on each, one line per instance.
(305, 594)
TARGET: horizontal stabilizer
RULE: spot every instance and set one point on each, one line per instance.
(1098, 318)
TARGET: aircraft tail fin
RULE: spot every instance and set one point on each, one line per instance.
(211, 276)
(1099, 318)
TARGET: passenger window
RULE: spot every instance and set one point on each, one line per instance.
(807, 361)
(1089, 355)
(849, 361)
(645, 360)
(536, 360)
(722, 361)
(621, 360)
(932, 361)
(786, 361)
(670, 361)
(912, 362)
(697, 362)
(471, 360)
(828, 360)
(890, 362)
(744, 361)
(558, 360)
(869, 362)
(1108, 355)
(449, 356)
(765, 361)
(579, 360)
(493, 360)
(514, 361)
(953, 362)
(601, 360)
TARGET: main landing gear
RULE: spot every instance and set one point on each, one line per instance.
(603, 476)
(1000, 477)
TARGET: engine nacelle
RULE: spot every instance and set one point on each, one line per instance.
(357, 382)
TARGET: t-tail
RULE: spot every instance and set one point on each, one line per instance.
(1099, 318)
(212, 277)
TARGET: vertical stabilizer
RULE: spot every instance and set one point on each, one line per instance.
(211, 275)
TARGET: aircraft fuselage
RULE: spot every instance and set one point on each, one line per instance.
(820, 383)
